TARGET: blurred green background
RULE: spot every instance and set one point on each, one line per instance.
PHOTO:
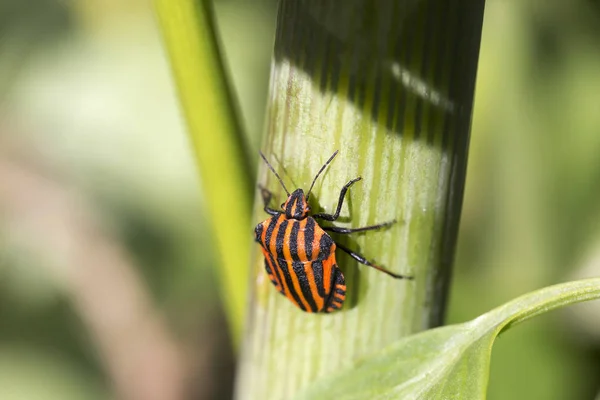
(107, 286)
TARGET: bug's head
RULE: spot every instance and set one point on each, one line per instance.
(296, 206)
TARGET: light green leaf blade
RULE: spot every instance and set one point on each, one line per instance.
(451, 362)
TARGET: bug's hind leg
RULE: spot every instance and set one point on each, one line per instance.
(368, 263)
(338, 294)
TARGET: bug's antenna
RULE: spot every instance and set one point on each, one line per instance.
(319, 173)
(276, 174)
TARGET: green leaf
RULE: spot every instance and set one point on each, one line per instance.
(451, 362)
(190, 39)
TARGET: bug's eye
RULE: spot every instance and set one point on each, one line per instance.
(282, 205)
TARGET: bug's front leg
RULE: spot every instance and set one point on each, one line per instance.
(333, 217)
(267, 196)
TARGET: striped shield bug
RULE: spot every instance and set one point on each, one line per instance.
(300, 255)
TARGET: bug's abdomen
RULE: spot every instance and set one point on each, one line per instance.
(338, 294)
(298, 282)
(300, 286)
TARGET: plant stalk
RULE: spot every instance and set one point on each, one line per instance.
(390, 84)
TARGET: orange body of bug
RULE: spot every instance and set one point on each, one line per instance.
(300, 258)
(300, 255)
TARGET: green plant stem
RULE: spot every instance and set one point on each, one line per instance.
(212, 124)
(390, 84)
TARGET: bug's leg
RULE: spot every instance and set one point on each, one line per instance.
(266, 196)
(333, 217)
(366, 262)
(338, 294)
(337, 229)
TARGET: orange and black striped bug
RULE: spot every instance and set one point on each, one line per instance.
(300, 255)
